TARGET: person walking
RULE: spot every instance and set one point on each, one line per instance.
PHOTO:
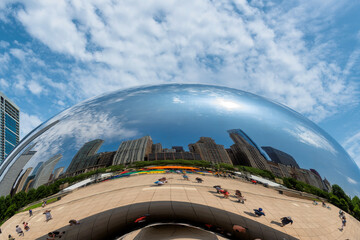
(286, 220)
(343, 222)
(30, 212)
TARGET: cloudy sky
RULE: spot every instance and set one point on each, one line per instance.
(304, 54)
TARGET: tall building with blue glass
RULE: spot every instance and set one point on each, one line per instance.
(9, 126)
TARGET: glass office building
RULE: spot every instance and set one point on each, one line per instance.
(9, 126)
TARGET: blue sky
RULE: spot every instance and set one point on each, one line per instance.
(303, 54)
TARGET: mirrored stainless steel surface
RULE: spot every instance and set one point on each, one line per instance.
(98, 131)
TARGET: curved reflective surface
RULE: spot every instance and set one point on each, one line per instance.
(178, 122)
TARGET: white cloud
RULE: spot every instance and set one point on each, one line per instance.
(28, 123)
(118, 44)
(352, 146)
(34, 87)
(3, 83)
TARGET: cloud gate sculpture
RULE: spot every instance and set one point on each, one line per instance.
(217, 125)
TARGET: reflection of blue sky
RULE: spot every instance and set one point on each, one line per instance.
(180, 114)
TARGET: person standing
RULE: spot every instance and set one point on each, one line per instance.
(48, 215)
(30, 212)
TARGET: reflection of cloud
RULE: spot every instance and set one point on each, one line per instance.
(350, 180)
(78, 127)
(177, 100)
(309, 137)
(228, 104)
(352, 145)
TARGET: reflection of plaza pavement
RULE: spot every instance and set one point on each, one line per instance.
(105, 207)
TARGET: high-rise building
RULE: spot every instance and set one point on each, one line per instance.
(133, 150)
(210, 151)
(280, 157)
(79, 161)
(9, 126)
(245, 150)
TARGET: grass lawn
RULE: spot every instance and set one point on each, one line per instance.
(39, 204)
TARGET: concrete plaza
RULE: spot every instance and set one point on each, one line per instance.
(103, 208)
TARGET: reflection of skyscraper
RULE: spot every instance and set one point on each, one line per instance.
(210, 151)
(45, 171)
(11, 175)
(280, 156)
(9, 126)
(156, 148)
(133, 150)
(79, 160)
(57, 173)
(178, 148)
(21, 147)
(21, 182)
(246, 151)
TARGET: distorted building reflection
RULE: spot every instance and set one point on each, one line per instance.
(210, 151)
(245, 151)
(133, 150)
(280, 157)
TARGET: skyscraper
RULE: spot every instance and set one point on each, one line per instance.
(246, 151)
(133, 150)
(280, 157)
(9, 126)
(210, 151)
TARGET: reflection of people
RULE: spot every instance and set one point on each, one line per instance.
(341, 214)
(286, 220)
(238, 228)
(199, 180)
(30, 212)
(185, 177)
(343, 221)
(259, 212)
(239, 196)
(19, 230)
(48, 215)
(26, 226)
(74, 222)
(11, 237)
(53, 235)
(226, 193)
(218, 188)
